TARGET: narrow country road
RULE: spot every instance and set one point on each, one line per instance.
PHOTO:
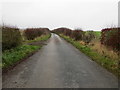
(59, 65)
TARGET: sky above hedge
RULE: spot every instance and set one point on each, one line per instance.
(85, 14)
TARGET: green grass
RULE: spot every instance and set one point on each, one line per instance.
(97, 33)
(102, 60)
(41, 38)
(10, 57)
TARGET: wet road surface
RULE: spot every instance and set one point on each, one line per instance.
(59, 65)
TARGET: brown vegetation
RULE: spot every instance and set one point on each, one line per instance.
(32, 33)
(11, 37)
(111, 38)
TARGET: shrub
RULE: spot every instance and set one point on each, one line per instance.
(45, 31)
(65, 31)
(32, 33)
(77, 34)
(89, 36)
(111, 38)
(11, 37)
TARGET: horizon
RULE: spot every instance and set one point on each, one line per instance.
(11, 26)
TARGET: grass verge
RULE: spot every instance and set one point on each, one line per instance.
(111, 65)
(12, 56)
(41, 38)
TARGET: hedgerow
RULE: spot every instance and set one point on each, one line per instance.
(76, 34)
(111, 38)
(32, 33)
(11, 37)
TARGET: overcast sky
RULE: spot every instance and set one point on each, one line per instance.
(85, 14)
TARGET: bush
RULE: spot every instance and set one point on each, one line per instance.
(77, 34)
(89, 36)
(111, 38)
(11, 37)
(65, 31)
(32, 33)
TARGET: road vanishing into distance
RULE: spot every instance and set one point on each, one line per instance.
(59, 65)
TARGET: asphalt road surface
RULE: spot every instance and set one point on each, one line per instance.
(59, 65)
